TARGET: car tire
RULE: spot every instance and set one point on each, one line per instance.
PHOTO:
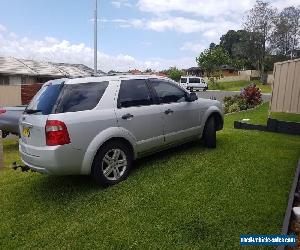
(204, 89)
(4, 134)
(209, 133)
(105, 170)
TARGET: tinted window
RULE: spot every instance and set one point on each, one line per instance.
(134, 93)
(194, 80)
(45, 99)
(79, 97)
(183, 80)
(168, 92)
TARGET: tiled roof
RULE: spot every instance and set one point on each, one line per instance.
(13, 66)
(10, 65)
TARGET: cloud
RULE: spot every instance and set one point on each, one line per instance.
(2, 28)
(55, 50)
(212, 8)
(194, 47)
(179, 24)
(121, 3)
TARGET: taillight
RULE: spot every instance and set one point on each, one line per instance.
(2, 111)
(56, 133)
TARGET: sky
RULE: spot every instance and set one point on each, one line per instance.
(133, 34)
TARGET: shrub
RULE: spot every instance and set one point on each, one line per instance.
(233, 108)
(249, 98)
(252, 95)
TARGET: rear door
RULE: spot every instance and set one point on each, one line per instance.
(138, 114)
(181, 118)
(32, 123)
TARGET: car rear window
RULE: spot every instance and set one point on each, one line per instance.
(62, 98)
(183, 80)
(80, 97)
(46, 98)
(194, 80)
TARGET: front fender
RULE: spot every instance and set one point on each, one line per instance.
(99, 140)
(211, 110)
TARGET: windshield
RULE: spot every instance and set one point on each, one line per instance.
(46, 98)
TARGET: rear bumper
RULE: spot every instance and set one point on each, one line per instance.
(57, 160)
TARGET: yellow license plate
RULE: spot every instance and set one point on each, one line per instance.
(26, 132)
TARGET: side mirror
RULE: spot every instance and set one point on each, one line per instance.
(192, 97)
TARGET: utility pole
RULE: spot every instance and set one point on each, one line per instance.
(95, 37)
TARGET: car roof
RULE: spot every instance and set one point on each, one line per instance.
(191, 77)
(113, 78)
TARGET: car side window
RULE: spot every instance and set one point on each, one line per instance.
(194, 80)
(183, 80)
(134, 93)
(80, 97)
(168, 92)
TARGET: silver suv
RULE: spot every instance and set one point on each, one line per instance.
(98, 125)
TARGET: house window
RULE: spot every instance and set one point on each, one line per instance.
(23, 80)
(4, 80)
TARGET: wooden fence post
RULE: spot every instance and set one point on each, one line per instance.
(1, 151)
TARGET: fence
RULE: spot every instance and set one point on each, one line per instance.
(286, 87)
(13, 95)
(28, 92)
(10, 95)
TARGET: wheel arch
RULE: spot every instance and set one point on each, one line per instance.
(217, 115)
(111, 134)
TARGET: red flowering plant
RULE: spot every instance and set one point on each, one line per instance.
(252, 95)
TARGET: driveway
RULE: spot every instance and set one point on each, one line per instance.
(219, 95)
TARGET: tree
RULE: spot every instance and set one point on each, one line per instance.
(212, 46)
(210, 60)
(174, 73)
(229, 40)
(260, 22)
(286, 35)
(241, 48)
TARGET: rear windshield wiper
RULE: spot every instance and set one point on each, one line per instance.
(32, 111)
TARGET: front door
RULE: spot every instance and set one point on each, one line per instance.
(181, 118)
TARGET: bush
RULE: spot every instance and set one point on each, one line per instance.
(234, 104)
(175, 74)
(249, 98)
(252, 95)
(233, 108)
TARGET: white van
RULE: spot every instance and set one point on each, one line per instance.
(193, 83)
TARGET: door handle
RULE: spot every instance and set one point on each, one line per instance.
(169, 111)
(127, 117)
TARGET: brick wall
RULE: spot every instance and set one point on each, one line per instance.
(28, 92)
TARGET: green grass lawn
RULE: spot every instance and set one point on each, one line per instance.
(285, 116)
(259, 115)
(185, 198)
(237, 86)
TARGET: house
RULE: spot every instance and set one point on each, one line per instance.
(15, 71)
(194, 71)
(228, 70)
(135, 72)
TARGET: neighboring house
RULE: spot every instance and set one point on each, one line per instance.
(15, 71)
(194, 71)
(228, 70)
(135, 72)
